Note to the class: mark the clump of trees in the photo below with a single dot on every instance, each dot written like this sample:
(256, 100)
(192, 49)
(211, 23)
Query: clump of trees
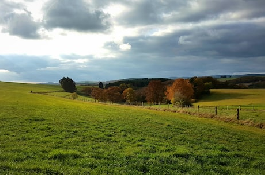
(179, 92)
(68, 84)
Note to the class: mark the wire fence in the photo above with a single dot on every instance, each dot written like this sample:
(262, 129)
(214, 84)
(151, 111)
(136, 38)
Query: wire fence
(252, 115)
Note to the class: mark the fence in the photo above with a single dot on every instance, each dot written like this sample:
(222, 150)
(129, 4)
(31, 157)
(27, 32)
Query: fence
(244, 114)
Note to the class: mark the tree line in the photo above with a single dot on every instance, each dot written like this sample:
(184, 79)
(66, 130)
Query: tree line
(178, 92)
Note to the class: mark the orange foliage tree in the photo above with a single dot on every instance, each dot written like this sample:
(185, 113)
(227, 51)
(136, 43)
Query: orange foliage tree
(180, 92)
(155, 92)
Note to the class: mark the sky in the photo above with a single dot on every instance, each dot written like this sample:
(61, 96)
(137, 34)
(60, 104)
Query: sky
(100, 40)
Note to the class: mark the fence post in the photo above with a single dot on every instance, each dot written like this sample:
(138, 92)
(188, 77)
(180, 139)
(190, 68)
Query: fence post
(198, 108)
(215, 110)
(237, 114)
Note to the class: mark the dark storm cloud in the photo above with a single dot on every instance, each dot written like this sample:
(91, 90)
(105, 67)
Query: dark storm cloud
(7, 7)
(22, 25)
(142, 13)
(75, 15)
(210, 10)
(147, 12)
(233, 40)
(18, 24)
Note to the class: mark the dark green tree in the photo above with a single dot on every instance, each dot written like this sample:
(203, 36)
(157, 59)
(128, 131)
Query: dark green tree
(68, 84)
(100, 85)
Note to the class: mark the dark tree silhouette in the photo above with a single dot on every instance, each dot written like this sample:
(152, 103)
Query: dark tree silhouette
(68, 84)
(100, 85)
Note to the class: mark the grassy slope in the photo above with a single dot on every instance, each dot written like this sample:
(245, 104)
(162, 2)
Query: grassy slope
(49, 135)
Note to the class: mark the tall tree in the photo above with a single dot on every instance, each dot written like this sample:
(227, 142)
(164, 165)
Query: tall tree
(113, 94)
(180, 92)
(155, 92)
(198, 86)
(97, 93)
(140, 94)
(68, 84)
(129, 95)
(100, 85)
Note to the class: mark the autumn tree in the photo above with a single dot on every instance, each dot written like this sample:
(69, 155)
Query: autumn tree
(129, 95)
(97, 93)
(124, 86)
(113, 94)
(180, 92)
(103, 96)
(87, 90)
(155, 92)
(140, 94)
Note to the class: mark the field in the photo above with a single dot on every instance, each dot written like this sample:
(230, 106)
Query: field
(234, 97)
(44, 134)
(225, 103)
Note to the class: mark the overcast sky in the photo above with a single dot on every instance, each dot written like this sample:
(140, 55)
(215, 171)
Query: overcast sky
(44, 40)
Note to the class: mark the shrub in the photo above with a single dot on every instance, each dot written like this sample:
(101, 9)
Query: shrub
(74, 95)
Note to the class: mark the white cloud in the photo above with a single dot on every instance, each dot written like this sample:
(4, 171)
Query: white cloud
(125, 47)
(3, 71)
(184, 40)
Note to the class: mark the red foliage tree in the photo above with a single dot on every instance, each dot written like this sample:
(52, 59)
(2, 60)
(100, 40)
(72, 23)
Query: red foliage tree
(98, 94)
(87, 90)
(113, 94)
(155, 92)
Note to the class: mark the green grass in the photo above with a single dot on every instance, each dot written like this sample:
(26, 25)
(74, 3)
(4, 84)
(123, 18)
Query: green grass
(224, 97)
(250, 101)
(41, 134)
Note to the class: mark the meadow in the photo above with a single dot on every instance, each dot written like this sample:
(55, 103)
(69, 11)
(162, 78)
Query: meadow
(251, 103)
(44, 134)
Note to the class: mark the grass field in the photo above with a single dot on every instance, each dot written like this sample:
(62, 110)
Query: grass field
(43, 134)
(234, 97)
(251, 103)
